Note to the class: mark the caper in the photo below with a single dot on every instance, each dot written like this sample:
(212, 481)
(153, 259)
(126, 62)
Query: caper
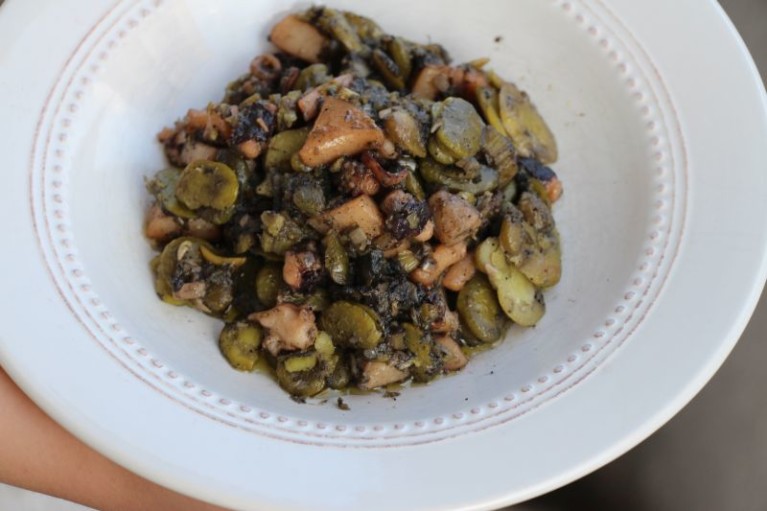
(312, 76)
(469, 197)
(213, 258)
(460, 128)
(400, 54)
(500, 151)
(280, 232)
(367, 29)
(397, 340)
(510, 192)
(439, 153)
(323, 344)
(180, 249)
(337, 25)
(428, 359)
(483, 252)
(352, 324)
(298, 165)
(163, 186)
(304, 383)
(487, 99)
(239, 164)
(454, 180)
(517, 236)
(164, 268)
(309, 198)
(518, 297)
(219, 291)
(536, 212)
(388, 69)
(268, 283)
(538, 188)
(239, 343)
(298, 363)
(536, 252)
(479, 310)
(216, 216)
(341, 375)
(413, 185)
(266, 187)
(402, 129)
(408, 260)
(207, 184)
(544, 266)
(318, 301)
(430, 313)
(283, 146)
(527, 129)
(494, 79)
(336, 259)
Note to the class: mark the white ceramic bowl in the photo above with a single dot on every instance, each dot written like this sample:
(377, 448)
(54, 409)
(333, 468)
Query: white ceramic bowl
(660, 271)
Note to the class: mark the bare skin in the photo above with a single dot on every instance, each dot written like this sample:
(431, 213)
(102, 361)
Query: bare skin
(39, 455)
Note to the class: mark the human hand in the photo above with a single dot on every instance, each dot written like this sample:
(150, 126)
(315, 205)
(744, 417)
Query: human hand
(39, 455)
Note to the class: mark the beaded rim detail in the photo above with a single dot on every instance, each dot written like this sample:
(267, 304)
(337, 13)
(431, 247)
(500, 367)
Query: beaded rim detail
(50, 212)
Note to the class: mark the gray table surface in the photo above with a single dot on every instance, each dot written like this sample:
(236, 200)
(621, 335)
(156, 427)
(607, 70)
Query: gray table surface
(712, 456)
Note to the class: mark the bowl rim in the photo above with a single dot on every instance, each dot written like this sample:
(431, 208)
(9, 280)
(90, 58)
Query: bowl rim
(684, 383)
(56, 234)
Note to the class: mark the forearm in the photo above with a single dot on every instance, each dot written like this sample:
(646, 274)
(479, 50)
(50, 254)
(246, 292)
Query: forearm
(39, 455)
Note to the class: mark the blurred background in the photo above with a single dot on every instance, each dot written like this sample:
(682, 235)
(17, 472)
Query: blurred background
(711, 456)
